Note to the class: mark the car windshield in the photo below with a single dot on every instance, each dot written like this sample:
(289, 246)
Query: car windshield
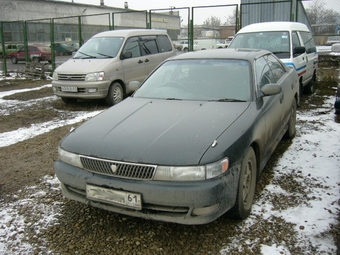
(199, 79)
(275, 42)
(100, 47)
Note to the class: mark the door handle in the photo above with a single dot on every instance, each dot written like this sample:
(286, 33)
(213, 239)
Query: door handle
(140, 62)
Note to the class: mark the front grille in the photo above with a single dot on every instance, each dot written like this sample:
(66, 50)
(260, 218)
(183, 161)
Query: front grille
(118, 169)
(71, 77)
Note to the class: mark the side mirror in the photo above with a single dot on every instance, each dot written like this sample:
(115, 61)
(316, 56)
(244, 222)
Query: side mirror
(127, 54)
(271, 89)
(299, 50)
(133, 86)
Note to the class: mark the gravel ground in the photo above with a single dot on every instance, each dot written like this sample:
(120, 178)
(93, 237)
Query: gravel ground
(41, 221)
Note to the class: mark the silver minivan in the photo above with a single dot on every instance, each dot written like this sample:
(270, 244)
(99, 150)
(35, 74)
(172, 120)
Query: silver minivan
(104, 66)
(292, 42)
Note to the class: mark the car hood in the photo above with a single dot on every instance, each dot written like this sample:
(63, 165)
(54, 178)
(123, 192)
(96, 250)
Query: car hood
(83, 66)
(154, 131)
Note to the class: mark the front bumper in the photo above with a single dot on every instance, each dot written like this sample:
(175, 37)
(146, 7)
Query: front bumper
(83, 87)
(188, 203)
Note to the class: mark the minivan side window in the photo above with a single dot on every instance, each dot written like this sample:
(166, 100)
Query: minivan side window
(148, 45)
(164, 43)
(133, 46)
(308, 41)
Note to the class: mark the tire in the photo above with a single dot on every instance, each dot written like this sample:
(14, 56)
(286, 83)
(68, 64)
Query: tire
(68, 100)
(14, 60)
(291, 131)
(309, 89)
(185, 49)
(246, 186)
(115, 95)
(61, 53)
(35, 60)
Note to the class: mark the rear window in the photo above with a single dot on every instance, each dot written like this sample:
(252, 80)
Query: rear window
(164, 43)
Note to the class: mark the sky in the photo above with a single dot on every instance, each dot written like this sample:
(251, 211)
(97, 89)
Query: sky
(313, 149)
(156, 4)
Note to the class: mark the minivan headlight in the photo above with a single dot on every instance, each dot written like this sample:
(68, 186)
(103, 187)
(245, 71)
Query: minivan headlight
(69, 158)
(99, 76)
(191, 173)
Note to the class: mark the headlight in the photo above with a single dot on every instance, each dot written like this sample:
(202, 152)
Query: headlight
(191, 173)
(55, 76)
(69, 158)
(95, 76)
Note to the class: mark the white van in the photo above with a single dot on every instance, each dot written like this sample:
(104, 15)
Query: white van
(292, 42)
(105, 65)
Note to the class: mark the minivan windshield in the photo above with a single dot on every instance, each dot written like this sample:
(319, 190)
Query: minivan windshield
(276, 42)
(100, 47)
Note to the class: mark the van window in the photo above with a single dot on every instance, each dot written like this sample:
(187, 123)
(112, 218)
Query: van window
(308, 41)
(295, 40)
(148, 45)
(275, 41)
(164, 43)
(133, 46)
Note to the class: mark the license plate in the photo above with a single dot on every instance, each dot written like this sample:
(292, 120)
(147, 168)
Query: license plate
(117, 197)
(69, 89)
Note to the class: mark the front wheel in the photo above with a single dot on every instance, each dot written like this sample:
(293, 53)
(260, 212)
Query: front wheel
(14, 60)
(309, 89)
(246, 186)
(291, 131)
(115, 95)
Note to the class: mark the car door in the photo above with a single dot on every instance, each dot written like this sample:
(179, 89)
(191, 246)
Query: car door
(311, 54)
(271, 106)
(134, 68)
(150, 51)
(300, 60)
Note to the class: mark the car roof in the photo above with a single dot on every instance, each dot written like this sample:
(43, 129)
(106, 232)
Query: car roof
(274, 26)
(243, 54)
(130, 32)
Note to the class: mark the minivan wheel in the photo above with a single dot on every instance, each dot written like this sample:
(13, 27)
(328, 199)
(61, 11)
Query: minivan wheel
(246, 186)
(115, 95)
(14, 60)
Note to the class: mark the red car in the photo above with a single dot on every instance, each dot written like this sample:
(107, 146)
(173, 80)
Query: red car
(35, 53)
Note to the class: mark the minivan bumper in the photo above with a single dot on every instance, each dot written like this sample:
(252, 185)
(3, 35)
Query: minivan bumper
(83, 89)
(190, 203)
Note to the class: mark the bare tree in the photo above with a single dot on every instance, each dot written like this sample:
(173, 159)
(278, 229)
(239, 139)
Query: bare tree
(212, 22)
(323, 21)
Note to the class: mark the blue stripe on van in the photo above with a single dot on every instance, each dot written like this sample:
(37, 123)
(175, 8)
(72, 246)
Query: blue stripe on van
(297, 69)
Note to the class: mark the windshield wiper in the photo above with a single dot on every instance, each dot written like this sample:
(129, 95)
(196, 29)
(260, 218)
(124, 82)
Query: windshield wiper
(105, 55)
(173, 98)
(229, 100)
(89, 56)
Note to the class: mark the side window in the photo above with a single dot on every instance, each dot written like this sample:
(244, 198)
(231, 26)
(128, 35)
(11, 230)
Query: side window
(277, 69)
(308, 42)
(148, 45)
(164, 43)
(133, 46)
(263, 73)
(295, 40)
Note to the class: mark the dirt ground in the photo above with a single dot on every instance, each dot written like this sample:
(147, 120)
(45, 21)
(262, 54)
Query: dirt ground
(24, 163)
